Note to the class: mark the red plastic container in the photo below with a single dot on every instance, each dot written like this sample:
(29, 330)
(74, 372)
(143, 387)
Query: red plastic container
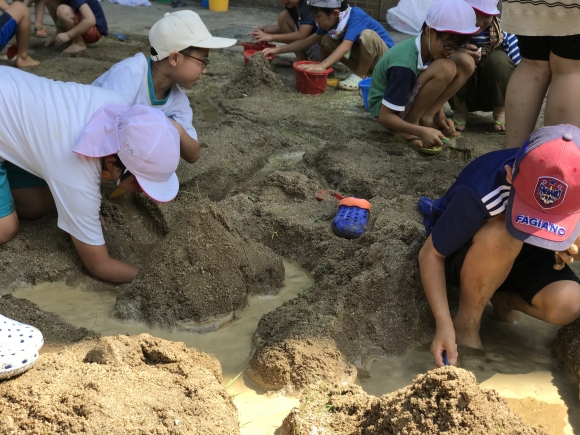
(310, 82)
(257, 46)
(250, 53)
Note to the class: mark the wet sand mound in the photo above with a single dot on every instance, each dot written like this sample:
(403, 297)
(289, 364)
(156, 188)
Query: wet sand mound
(115, 388)
(202, 271)
(257, 76)
(300, 363)
(568, 349)
(442, 401)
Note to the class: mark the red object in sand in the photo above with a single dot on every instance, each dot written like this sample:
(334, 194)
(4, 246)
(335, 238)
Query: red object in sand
(256, 46)
(310, 82)
(12, 51)
(250, 53)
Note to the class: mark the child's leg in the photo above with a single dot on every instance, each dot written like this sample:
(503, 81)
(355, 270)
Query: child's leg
(39, 7)
(287, 25)
(494, 75)
(562, 104)
(366, 54)
(66, 15)
(21, 15)
(458, 103)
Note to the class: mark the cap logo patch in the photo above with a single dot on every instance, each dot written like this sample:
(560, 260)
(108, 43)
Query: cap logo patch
(550, 192)
(130, 148)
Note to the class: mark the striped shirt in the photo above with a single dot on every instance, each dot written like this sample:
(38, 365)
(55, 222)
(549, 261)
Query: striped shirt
(509, 44)
(479, 193)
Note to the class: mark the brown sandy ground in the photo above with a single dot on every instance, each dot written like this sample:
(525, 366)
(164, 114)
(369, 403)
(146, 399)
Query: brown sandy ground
(119, 385)
(254, 129)
(442, 401)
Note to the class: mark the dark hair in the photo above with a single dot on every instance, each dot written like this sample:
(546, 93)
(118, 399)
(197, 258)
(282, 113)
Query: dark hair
(457, 39)
(186, 51)
(119, 164)
(328, 11)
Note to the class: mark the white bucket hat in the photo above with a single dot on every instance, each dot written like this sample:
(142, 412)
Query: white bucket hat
(452, 16)
(179, 30)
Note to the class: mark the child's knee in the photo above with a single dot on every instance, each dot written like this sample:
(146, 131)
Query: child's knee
(443, 68)
(464, 63)
(65, 12)
(18, 11)
(8, 228)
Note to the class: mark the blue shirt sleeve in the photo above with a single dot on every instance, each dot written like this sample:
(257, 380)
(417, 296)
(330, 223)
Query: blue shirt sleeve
(511, 47)
(462, 218)
(400, 82)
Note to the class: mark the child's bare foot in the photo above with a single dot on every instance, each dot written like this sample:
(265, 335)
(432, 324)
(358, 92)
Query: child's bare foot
(503, 311)
(467, 333)
(499, 119)
(23, 62)
(74, 48)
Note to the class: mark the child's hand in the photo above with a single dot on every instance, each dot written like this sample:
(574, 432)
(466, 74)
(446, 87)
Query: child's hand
(431, 137)
(270, 50)
(313, 67)
(253, 32)
(261, 36)
(474, 51)
(568, 256)
(444, 340)
(61, 38)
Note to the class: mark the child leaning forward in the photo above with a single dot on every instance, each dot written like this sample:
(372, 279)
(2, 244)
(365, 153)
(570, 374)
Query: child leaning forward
(413, 80)
(345, 34)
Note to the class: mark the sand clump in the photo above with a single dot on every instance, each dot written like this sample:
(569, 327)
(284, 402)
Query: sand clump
(257, 76)
(443, 401)
(201, 273)
(119, 385)
(567, 349)
(299, 363)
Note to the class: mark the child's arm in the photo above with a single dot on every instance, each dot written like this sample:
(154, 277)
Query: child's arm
(430, 137)
(188, 146)
(300, 45)
(432, 269)
(86, 23)
(344, 47)
(100, 265)
(304, 32)
(265, 29)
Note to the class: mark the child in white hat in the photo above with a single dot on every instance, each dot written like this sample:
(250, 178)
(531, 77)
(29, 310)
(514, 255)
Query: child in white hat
(180, 45)
(414, 79)
(496, 54)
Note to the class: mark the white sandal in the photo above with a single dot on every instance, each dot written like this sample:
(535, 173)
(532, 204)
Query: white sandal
(350, 83)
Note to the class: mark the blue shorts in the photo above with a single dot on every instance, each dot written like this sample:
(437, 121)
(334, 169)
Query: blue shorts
(8, 27)
(13, 177)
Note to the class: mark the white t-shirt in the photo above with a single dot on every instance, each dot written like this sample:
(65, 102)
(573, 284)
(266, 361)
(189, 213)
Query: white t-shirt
(132, 79)
(41, 121)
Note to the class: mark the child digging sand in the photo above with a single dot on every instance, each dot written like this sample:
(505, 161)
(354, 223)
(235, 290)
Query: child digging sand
(345, 34)
(496, 54)
(15, 20)
(180, 45)
(413, 80)
(295, 23)
(80, 21)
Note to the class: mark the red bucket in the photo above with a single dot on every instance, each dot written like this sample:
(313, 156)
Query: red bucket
(310, 82)
(250, 53)
(257, 46)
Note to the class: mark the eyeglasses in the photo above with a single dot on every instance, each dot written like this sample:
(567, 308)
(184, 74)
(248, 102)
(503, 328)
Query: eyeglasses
(450, 47)
(205, 62)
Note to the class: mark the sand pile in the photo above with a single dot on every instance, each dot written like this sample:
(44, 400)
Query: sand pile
(568, 349)
(443, 401)
(123, 385)
(203, 271)
(256, 76)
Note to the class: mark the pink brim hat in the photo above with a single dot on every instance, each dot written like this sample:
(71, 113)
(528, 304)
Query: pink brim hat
(145, 141)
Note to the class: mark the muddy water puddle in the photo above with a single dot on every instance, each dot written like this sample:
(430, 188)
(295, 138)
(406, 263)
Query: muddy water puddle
(260, 413)
(518, 363)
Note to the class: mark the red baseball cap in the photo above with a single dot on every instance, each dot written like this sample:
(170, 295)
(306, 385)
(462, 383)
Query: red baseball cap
(544, 203)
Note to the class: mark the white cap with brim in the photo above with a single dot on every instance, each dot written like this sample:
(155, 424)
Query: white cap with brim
(145, 140)
(452, 16)
(180, 30)
(484, 7)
